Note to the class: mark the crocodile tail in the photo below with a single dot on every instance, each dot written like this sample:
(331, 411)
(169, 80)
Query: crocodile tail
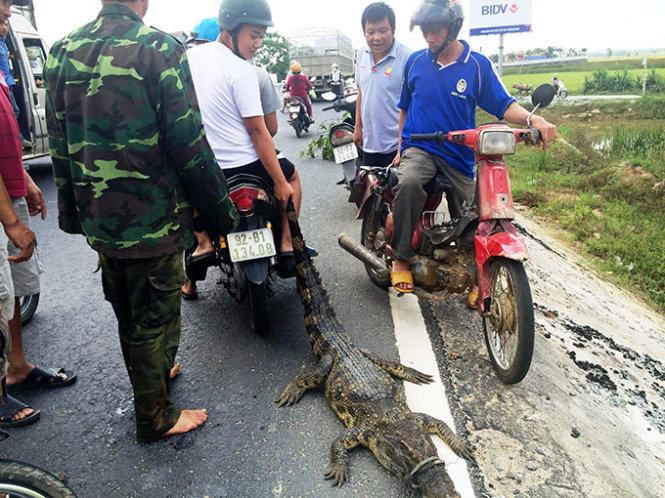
(319, 314)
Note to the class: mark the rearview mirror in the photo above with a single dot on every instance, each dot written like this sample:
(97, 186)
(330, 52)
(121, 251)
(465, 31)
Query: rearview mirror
(543, 95)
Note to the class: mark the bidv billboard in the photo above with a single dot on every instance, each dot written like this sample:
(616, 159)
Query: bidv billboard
(490, 17)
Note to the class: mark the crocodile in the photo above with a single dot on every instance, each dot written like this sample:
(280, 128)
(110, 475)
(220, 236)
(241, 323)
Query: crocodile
(364, 392)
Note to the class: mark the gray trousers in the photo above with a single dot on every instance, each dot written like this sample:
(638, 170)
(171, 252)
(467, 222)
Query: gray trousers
(418, 167)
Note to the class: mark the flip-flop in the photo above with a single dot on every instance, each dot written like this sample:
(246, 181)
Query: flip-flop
(11, 406)
(401, 277)
(196, 267)
(41, 377)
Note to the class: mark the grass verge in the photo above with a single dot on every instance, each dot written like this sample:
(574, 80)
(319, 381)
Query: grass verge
(605, 187)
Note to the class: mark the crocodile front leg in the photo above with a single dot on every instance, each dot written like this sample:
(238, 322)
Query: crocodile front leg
(440, 428)
(307, 380)
(398, 370)
(339, 456)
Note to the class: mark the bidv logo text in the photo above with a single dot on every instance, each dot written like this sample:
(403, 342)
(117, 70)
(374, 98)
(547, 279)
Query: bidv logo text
(496, 9)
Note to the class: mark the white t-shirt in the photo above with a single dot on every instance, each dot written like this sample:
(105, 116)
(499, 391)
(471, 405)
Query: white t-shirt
(227, 89)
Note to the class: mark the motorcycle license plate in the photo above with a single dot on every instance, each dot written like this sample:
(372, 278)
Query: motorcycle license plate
(294, 109)
(345, 153)
(253, 244)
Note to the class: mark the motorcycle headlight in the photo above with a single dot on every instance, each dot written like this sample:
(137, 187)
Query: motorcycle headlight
(496, 142)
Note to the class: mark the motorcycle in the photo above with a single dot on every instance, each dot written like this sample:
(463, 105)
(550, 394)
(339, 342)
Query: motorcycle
(246, 256)
(560, 90)
(341, 134)
(478, 247)
(19, 480)
(298, 117)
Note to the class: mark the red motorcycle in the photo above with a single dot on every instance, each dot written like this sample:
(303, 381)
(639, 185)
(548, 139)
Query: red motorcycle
(480, 246)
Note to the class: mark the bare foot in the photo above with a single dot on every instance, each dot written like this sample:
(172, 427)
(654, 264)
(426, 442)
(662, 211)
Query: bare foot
(176, 370)
(188, 421)
(203, 248)
(189, 290)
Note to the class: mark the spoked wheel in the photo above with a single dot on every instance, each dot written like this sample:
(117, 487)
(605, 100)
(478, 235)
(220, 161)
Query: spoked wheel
(509, 329)
(28, 307)
(20, 480)
(259, 310)
(368, 239)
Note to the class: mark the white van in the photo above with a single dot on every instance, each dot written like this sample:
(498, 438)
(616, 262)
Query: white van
(27, 58)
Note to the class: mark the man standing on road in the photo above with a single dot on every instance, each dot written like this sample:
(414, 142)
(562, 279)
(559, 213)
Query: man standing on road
(128, 147)
(27, 200)
(379, 75)
(13, 413)
(442, 87)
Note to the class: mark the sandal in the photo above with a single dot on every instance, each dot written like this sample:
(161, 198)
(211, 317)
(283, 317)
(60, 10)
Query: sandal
(472, 298)
(40, 377)
(286, 264)
(400, 278)
(9, 407)
(196, 267)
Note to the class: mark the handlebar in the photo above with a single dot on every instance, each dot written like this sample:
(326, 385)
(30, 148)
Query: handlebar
(328, 108)
(423, 137)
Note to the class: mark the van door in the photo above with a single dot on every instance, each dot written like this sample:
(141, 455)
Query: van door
(36, 91)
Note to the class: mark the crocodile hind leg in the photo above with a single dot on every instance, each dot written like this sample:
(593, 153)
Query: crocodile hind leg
(307, 380)
(339, 456)
(398, 370)
(440, 428)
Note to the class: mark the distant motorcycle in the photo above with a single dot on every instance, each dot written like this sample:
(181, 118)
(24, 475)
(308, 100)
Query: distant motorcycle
(560, 90)
(298, 117)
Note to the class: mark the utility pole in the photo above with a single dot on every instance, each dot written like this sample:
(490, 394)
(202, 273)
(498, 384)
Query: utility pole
(500, 68)
(646, 75)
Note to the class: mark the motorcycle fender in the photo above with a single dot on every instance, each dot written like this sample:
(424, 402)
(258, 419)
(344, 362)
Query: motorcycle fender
(369, 182)
(256, 271)
(500, 244)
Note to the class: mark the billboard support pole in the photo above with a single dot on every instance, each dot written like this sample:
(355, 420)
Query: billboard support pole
(500, 54)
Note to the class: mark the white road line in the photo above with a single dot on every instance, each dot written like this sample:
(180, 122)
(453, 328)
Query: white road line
(415, 351)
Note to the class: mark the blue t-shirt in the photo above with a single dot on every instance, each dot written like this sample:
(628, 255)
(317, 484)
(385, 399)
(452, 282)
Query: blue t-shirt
(4, 63)
(444, 98)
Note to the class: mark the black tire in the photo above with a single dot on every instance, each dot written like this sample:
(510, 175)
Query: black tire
(28, 307)
(296, 126)
(370, 224)
(30, 482)
(511, 315)
(259, 315)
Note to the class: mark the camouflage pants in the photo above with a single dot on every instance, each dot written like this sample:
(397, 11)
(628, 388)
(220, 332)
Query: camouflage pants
(145, 295)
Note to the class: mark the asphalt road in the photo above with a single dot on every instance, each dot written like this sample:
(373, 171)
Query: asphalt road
(588, 420)
(249, 448)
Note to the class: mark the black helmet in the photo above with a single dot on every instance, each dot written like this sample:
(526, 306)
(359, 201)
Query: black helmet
(446, 13)
(234, 13)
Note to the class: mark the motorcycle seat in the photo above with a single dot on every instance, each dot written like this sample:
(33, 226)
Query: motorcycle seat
(437, 185)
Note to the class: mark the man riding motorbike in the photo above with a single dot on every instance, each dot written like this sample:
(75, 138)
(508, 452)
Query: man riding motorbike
(442, 86)
(298, 85)
(227, 87)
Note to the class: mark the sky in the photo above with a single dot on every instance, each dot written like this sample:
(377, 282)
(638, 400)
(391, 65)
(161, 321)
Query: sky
(592, 24)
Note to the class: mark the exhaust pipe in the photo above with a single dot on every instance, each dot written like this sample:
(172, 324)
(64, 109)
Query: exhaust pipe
(363, 254)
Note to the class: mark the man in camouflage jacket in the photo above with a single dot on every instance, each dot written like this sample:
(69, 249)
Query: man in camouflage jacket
(128, 147)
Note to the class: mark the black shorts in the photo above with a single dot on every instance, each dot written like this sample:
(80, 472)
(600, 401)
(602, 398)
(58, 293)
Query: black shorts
(256, 169)
(378, 159)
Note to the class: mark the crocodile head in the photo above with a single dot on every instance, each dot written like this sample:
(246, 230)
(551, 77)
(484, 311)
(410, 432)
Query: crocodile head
(434, 482)
(408, 451)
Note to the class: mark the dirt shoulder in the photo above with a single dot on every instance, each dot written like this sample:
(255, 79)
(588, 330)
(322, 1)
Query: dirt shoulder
(589, 419)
